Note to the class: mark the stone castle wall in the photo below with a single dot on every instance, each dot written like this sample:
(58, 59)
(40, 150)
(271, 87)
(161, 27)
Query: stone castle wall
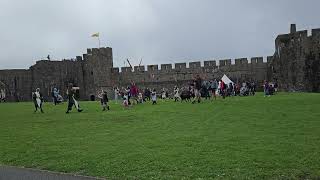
(16, 83)
(94, 71)
(89, 72)
(168, 75)
(295, 66)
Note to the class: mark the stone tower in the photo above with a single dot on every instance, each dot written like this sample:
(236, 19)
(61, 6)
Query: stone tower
(97, 68)
(296, 62)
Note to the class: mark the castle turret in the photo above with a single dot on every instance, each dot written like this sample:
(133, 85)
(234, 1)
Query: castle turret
(97, 69)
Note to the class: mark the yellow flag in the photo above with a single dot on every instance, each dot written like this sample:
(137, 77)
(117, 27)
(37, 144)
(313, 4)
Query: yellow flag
(95, 35)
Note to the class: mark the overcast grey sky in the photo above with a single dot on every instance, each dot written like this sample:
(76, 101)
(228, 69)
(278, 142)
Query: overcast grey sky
(160, 31)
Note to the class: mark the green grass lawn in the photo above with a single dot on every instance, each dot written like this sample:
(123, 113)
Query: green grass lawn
(235, 138)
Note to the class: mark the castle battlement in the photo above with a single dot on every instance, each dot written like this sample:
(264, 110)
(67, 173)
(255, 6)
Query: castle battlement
(315, 32)
(193, 66)
(211, 63)
(226, 64)
(298, 34)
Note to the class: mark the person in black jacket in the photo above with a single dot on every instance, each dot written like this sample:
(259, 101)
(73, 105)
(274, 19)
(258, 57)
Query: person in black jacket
(197, 88)
(71, 99)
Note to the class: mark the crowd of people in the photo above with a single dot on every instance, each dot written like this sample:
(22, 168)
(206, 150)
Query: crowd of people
(194, 92)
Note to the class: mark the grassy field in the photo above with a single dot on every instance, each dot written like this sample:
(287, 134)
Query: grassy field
(235, 138)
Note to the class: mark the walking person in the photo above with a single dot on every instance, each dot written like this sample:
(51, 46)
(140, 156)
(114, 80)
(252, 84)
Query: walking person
(230, 89)
(71, 99)
(55, 95)
(134, 92)
(128, 92)
(154, 97)
(222, 89)
(116, 94)
(125, 102)
(253, 88)
(163, 94)
(214, 87)
(104, 100)
(176, 94)
(275, 87)
(147, 94)
(197, 88)
(37, 100)
(266, 89)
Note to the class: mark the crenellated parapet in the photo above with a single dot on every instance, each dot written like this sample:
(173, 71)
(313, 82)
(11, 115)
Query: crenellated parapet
(315, 32)
(166, 67)
(180, 66)
(225, 62)
(195, 65)
(104, 52)
(239, 70)
(126, 69)
(241, 61)
(152, 68)
(139, 68)
(115, 70)
(257, 60)
(211, 64)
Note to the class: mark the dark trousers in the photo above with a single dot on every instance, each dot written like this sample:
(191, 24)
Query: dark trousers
(55, 100)
(37, 107)
(70, 104)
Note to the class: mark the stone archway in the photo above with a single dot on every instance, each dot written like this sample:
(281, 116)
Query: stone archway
(92, 97)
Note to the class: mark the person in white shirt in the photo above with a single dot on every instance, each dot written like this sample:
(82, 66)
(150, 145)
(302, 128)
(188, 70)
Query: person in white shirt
(176, 94)
(163, 94)
(37, 100)
(125, 100)
(154, 97)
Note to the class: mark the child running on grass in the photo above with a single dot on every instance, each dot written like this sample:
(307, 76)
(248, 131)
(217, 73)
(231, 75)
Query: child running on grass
(125, 100)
